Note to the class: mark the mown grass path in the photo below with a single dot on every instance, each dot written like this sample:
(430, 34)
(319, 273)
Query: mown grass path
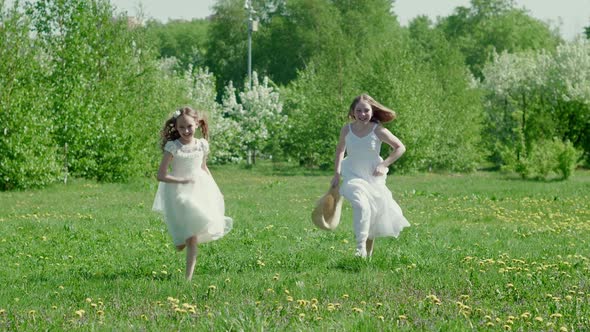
(484, 252)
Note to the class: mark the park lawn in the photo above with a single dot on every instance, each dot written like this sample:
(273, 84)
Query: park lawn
(485, 251)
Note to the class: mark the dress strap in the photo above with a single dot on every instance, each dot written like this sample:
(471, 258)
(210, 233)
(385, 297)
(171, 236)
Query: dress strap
(375, 126)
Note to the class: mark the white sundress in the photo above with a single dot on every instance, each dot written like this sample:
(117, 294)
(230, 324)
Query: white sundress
(194, 208)
(377, 214)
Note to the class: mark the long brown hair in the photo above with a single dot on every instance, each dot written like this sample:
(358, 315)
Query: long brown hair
(381, 114)
(169, 132)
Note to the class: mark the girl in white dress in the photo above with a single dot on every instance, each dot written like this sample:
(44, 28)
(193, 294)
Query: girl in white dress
(187, 196)
(375, 212)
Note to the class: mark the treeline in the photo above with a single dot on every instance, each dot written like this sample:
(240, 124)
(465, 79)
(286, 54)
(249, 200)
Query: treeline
(84, 90)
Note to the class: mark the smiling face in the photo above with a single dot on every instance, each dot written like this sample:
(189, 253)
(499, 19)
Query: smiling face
(186, 125)
(363, 112)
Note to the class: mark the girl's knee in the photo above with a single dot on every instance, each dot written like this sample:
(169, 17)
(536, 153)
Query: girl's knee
(191, 240)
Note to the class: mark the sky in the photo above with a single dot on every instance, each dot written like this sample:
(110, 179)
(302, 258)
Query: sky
(570, 15)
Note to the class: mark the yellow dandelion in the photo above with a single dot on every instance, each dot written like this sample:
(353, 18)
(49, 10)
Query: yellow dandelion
(88, 300)
(314, 301)
(556, 315)
(402, 317)
(509, 285)
(539, 319)
(359, 310)
(32, 312)
(210, 315)
(314, 307)
(61, 287)
(488, 317)
(490, 324)
(100, 303)
(192, 310)
(164, 272)
(275, 277)
(301, 315)
(318, 318)
(100, 312)
(378, 304)
(345, 241)
(526, 315)
(287, 291)
(289, 298)
(568, 297)
(144, 317)
(80, 313)
(270, 290)
(563, 329)
(53, 307)
(94, 305)
(507, 327)
(381, 318)
(212, 287)
(257, 303)
(345, 296)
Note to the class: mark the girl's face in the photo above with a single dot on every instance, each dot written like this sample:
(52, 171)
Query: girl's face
(186, 126)
(363, 112)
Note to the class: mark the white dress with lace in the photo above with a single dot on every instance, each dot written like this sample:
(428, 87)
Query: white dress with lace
(376, 213)
(195, 208)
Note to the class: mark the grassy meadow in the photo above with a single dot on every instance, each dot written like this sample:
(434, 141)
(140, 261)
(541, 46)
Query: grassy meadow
(485, 252)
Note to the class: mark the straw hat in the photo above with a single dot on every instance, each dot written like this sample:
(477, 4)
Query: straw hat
(326, 214)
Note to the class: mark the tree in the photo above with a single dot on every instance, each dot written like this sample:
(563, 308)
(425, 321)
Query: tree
(258, 113)
(494, 26)
(183, 40)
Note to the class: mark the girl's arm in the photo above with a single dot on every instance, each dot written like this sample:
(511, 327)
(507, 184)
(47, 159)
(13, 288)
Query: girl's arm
(163, 175)
(340, 148)
(398, 149)
(204, 165)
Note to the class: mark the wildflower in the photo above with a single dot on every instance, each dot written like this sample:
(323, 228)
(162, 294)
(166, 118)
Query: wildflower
(378, 304)
(402, 317)
(563, 329)
(32, 312)
(507, 327)
(381, 318)
(345, 296)
(80, 313)
(539, 319)
(88, 300)
(289, 298)
(212, 287)
(359, 310)
(301, 315)
(314, 301)
(556, 315)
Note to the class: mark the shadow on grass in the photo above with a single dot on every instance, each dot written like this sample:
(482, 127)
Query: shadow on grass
(350, 264)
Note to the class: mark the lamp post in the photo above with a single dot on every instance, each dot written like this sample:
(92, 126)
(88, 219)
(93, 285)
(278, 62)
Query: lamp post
(252, 26)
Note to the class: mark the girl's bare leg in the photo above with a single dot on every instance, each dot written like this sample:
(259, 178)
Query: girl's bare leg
(191, 256)
(369, 245)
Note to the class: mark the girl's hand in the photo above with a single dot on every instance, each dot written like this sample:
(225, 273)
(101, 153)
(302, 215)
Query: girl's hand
(187, 180)
(335, 180)
(380, 170)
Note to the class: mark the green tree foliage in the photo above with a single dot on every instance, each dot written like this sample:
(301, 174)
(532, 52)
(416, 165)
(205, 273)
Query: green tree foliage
(438, 112)
(494, 25)
(183, 40)
(537, 97)
(28, 154)
(82, 77)
(227, 43)
(289, 39)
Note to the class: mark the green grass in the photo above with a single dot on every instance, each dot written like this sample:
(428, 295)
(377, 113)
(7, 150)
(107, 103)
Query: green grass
(484, 252)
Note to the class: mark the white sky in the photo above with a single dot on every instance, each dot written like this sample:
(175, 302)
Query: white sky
(570, 15)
